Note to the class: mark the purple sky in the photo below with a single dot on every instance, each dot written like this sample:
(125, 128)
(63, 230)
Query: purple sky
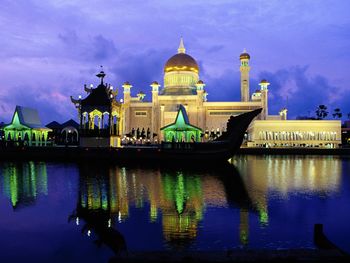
(49, 49)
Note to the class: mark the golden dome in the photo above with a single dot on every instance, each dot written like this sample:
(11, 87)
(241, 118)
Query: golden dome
(244, 55)
(181, 62)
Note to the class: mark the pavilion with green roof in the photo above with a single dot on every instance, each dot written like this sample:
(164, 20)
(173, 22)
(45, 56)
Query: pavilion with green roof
(26, 127)
(181, 130)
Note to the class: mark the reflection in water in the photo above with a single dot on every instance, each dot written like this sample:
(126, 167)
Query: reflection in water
(287, 174)
(177, 198)
(261, 201)
(23, 182)
(264, 175)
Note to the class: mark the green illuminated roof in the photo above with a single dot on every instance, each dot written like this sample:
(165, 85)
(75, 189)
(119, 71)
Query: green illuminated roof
(25, 118)
(181, 122)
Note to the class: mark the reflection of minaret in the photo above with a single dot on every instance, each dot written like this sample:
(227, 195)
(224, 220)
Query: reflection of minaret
(244, 226)
(23, 183)
(253, 175)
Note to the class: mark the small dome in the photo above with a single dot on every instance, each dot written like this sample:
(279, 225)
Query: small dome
(181, 62)
(126, 83)
(244, 55)
(200, 82)
(264, 81)
(154, 83)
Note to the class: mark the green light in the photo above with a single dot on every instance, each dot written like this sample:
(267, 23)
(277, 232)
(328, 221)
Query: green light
(263, 217)
(180, 195)
(181, 129)
(14, 188)
(32, 178)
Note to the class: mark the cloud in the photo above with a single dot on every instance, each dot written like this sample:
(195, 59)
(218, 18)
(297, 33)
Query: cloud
(302, 92)
(51, 105)
(51, 48)
(225, 87)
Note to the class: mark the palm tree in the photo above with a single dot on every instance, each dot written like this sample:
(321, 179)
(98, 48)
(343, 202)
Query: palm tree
(321, 112)
(337, 114)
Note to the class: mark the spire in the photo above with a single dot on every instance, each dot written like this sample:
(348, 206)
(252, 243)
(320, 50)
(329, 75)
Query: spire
(181, 48)
(101, 75)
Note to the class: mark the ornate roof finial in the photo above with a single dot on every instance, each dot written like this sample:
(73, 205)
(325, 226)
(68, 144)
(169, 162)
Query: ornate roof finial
(244, 50)
(181, 48)
(101, 75)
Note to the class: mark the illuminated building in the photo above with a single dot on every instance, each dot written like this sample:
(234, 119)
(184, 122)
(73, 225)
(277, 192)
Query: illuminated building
(100, 116)
(295, 133)
(26, 127)
(183, 86)
(181, 129)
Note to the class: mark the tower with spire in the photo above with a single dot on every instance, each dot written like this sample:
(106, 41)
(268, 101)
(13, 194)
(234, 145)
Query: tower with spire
(264, 98)
(244, 68)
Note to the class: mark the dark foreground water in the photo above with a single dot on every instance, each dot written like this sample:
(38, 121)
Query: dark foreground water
(59, 212)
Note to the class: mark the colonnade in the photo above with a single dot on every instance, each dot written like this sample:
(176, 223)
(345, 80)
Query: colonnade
(30, 137)
(297, 136)
(99, 120)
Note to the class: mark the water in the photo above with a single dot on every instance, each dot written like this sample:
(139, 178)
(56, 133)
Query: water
(61, 212)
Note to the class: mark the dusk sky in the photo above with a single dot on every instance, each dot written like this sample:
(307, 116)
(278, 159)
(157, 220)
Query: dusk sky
(50, 48)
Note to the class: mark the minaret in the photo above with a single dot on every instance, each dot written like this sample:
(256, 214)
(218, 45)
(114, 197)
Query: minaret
(244, 68)
(181, 48)
(127, 98)
(200, 99)
(264, 98)
(156, 118)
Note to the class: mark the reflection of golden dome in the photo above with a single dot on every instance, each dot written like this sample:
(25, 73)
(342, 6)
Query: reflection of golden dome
(181, 62)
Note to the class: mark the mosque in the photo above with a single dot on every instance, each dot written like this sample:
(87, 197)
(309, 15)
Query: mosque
(180, 111)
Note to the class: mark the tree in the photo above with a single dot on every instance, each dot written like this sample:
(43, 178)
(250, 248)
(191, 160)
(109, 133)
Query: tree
(321, 112)
(337, 114)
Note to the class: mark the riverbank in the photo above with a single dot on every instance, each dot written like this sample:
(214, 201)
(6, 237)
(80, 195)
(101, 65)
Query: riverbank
(236, 255)
(145, 154)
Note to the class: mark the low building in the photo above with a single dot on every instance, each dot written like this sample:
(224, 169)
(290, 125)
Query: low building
(25, 128)
(181, 130)
(66, 133)
(345, 133)
(295, 133)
